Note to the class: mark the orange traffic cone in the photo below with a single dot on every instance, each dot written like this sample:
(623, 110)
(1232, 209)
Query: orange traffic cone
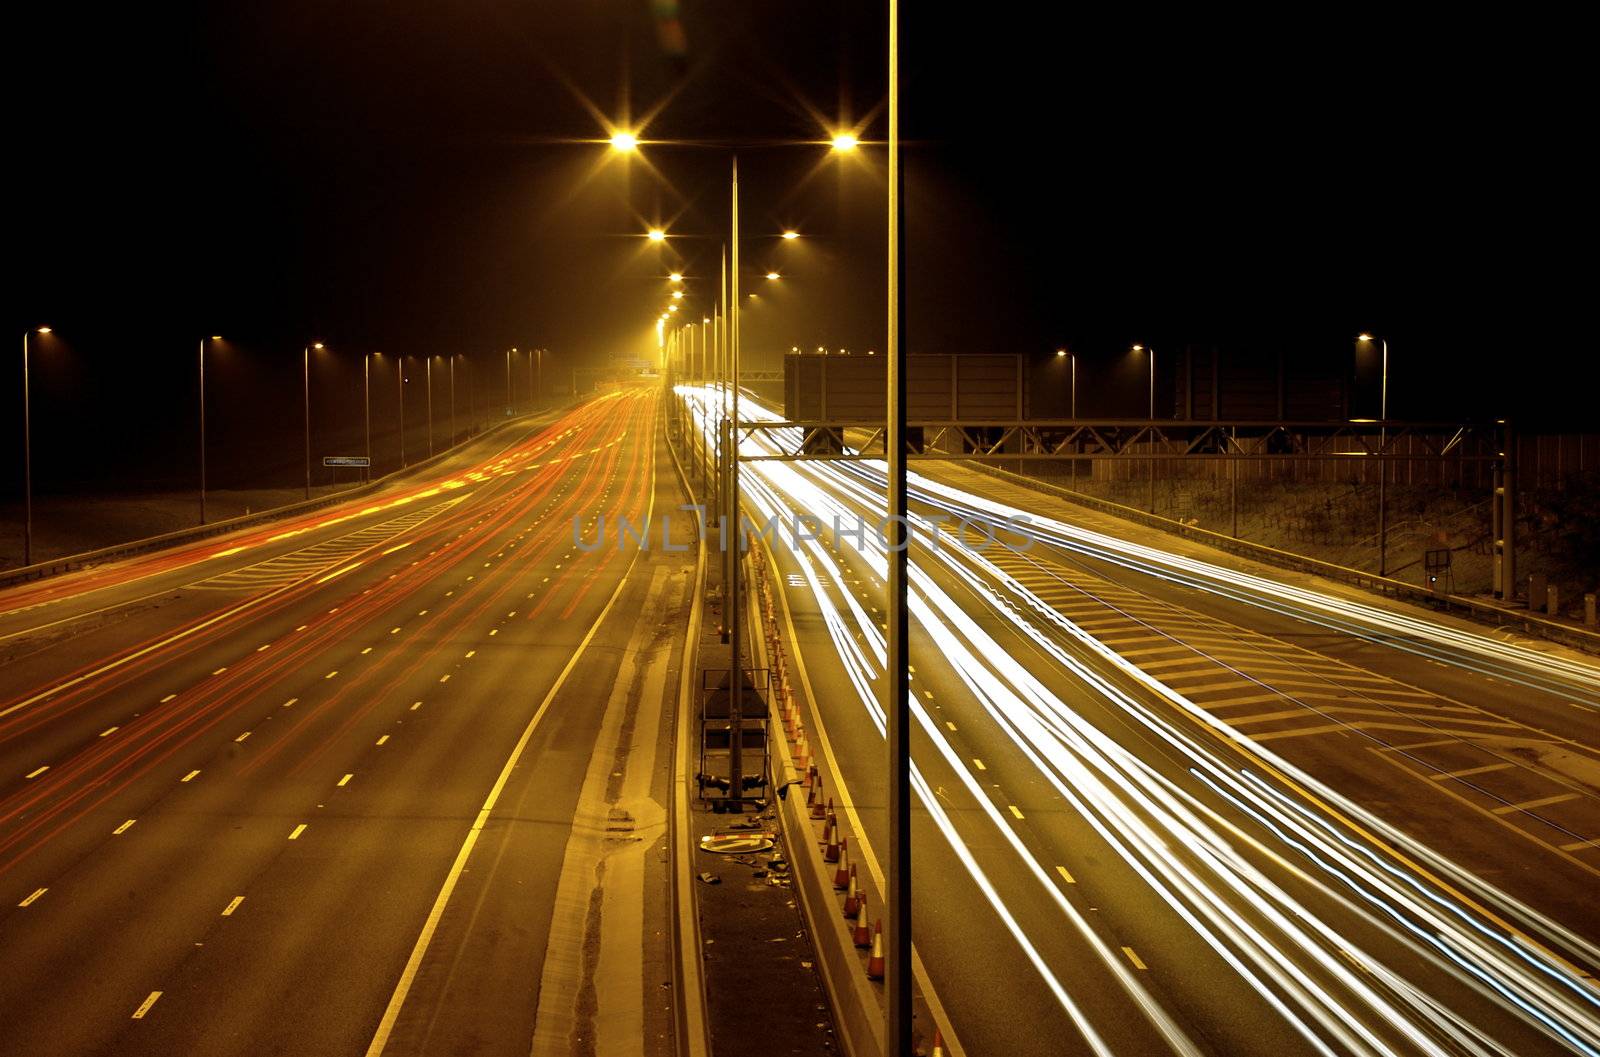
(831, 850)
(814, 801)
(875, 959)
(827, 833)
(852, 899)
(938, 1044)
(862, 936)
(841, 876)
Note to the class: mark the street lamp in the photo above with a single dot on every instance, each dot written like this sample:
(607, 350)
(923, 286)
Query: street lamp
(305, 381)
(791, 234)
(624, 142)
(844, 142)
(27, 455)
(676, 277)
(366, 408)
(771, 277)
(1383, 443)
(656, 235)
(1152, 354)
(214, 338)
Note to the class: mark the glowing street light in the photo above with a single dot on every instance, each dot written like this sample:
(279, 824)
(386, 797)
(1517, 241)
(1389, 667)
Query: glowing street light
(676, 277)
(624, 142)
(791, 234)
(27, 454)
(214, 339)
(656, 235)
(772, 277)
(845, 142)
(677, 294)
(305, 382)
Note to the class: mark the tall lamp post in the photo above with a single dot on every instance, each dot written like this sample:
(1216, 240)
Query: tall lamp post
(203, 426)
(305, 385)
(1152, 354)
(1072, 399)
(366, 405)
(1383, 444)
(897, 682)
(27, 454)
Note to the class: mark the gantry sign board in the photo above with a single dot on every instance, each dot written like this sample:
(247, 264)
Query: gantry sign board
(946, 387)
(346, 460)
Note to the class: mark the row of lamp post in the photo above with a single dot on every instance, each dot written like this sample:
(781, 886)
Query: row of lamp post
(1362, 341)
(535, 383)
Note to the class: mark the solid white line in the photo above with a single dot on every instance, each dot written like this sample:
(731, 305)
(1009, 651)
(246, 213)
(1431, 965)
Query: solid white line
(380, 1038)
(339, 572)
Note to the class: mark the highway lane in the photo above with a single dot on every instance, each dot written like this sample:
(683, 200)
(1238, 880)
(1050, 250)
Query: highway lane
(255, 819)
(1220, 898)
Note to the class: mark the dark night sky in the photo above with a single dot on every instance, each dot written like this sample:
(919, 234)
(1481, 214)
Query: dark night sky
(404, 177)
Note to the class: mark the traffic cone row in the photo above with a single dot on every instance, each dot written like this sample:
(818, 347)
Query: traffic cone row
(835, 846)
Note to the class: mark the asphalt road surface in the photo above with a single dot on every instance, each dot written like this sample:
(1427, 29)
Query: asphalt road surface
(1171, 805)
(309, 789)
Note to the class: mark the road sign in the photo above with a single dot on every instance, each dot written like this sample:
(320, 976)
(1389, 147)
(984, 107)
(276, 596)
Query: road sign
(346, 460)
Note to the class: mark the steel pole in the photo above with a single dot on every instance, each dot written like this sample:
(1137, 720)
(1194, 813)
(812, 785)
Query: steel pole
(202, 431)
(509, 404)
(27, 460)
(366, 404)
(735, 552)
(400, 381)
(1152, 430)
(427, 374)
(897, 951)
(1383, 462)
(305, 382)
(452, 400)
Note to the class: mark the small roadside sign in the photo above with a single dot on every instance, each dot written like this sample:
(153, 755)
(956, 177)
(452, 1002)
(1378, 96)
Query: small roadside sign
(346, 460)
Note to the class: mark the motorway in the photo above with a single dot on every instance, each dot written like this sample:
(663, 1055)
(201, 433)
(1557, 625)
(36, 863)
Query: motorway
(336, 785)
(1170, 805)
